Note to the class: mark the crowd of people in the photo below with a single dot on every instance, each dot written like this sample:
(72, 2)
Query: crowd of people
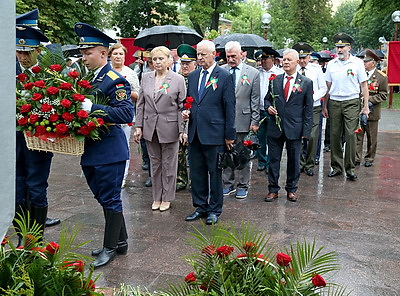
(188, 110)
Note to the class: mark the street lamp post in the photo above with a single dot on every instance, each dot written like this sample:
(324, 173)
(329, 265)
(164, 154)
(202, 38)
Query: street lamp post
(396, 20)
(266, 20)
(325, 40)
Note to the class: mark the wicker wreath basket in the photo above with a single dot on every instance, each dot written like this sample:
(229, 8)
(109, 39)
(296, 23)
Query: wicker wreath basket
(68, 145)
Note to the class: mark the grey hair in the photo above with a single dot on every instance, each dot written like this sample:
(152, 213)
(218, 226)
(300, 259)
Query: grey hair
(210, 45)
(232, 45)
(291, 50)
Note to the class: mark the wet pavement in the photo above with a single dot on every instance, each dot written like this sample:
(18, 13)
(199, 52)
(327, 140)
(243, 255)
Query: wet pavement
(359, 220)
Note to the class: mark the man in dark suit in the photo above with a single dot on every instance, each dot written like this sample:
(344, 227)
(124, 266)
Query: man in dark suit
(103, 162)
(211, 126)
(290, 102)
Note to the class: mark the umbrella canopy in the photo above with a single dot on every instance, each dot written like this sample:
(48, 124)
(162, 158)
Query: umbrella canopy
(71, 50)
(168, 35)
(247, 41)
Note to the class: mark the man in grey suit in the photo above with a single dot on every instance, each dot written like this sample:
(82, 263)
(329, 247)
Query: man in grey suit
(247, 91)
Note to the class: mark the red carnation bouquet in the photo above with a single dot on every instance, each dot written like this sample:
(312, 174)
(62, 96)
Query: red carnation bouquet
(49, 104)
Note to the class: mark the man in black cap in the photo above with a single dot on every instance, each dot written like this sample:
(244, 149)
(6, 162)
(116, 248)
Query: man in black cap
(314, 72)
(103, 162)
(267, 58)
(344, 76)
(378, 89)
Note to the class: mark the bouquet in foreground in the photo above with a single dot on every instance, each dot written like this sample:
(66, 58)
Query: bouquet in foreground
(49, 105)
(232, 262)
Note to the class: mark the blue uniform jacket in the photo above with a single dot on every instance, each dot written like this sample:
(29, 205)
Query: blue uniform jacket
(112, 147)
(212, 116)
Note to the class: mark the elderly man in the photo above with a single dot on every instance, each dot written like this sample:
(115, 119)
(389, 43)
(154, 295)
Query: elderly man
(344, 77)
(378, 89)
(247, 90)
(103, 162)
(314, 72)
(267, 69)
(211, 127)
(289, 101)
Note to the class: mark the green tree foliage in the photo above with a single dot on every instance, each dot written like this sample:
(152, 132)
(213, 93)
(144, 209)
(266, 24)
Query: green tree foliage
(58, 17)
(281, 26)
(205, 13)
(374, 19)
(344, 17)
(247, 18)
(131, 16)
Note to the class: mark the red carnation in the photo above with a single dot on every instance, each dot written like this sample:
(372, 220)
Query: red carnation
(65, 86)
(224, 251)
(318, 281)
(23, 121)
(91, 125)
(40, 130)
(82, 114)
(189, 100)
(73, 74)
(187, 106)
(190, 278)
(359, 130)
(68, 116)
(36, 69)
(52, 90)
(272, 77)
(52, 248)
(77, 265)
(61, 128)
(78, 97)
(37, 97)
(84, 130)
(56, 68)
(84, 84)
(33, 118)
(283, 259)
(247, 143)
(29, 85)
(46, 107)
(40, 83)
(22, 77)
(91, 286)
(209, 250)
(54, 117)
(26, 108)
(66, 103)
(249, 246)
(100, 121)
(5, 240)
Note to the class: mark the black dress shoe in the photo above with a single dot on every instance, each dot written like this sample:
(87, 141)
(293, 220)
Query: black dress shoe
(212, 219)
(334, 173)
(351, 177)
(261, 168)
(52, 222)
(195, 216)
(148, 183)
(105, 257)
(122, 249)
(368, 164)
(309, 172)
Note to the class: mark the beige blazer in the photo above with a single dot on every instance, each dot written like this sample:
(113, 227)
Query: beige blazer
(159, 109)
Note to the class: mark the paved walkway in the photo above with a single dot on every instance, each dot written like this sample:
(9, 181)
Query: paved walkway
(359, 220)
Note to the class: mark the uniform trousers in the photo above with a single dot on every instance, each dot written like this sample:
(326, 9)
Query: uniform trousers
(371, 130)
(105, 182)
(206, 177)
(127, 131)
(243, 175)
(164, 165)
(308, 161)
(344, 118)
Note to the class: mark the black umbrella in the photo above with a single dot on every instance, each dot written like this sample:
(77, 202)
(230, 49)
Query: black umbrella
(168, 35)
(247, 41)
(71, 50)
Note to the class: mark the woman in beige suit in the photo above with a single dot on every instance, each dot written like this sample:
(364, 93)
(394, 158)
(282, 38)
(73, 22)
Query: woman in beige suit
(159, 121)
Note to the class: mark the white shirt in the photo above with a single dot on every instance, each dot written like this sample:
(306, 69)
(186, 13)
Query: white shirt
(209, 70)
(370, 73)
(264, 81)
(314, 72)
(345, 77)
(291, 83)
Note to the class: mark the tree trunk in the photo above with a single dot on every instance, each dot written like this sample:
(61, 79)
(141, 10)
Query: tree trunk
(215, 20)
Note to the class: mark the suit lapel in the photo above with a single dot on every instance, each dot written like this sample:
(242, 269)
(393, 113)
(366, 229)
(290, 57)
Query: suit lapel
(278, 87)
(295, 90)
(241, 73)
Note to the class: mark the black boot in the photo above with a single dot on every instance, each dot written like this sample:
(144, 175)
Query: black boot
(111, 235)
(39, 215)
(122, 245)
